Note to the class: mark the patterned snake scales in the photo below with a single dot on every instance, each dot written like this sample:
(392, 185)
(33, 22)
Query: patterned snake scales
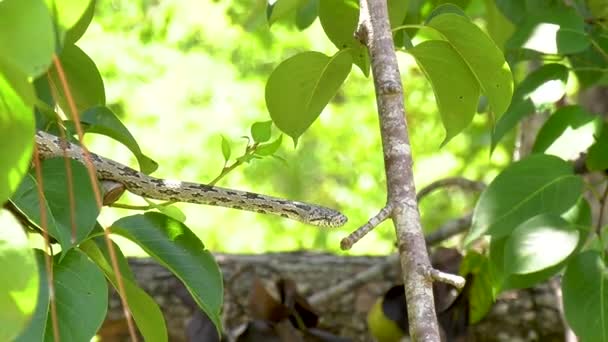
(50, 146)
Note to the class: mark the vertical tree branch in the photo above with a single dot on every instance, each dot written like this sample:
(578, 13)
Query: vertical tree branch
(374, 31)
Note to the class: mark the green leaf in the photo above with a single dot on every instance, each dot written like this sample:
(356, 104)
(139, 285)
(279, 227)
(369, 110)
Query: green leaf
(226, 151)
(456, 88)
(37, 325)
(517, 111)
(597, 155)
(397, 10)
(590, 64)
(306, 14)
(85, 210)
(57, 202)
(78, 29)
(145, 311)
(503, 281)
(26, 36)
(585, 296)
(102, 120)
(27, 200)
(483, 57)
(567, 133)
(169, 210)
(339, 19)
(535, 185)
(540, 76)
(301, 86)
(445, 8)
(83, 79)
(67, 13)
(260, 131)
(19, 278)
(17, 132)
(81, 295)
(571, 41)
(531, 246)
(579, 215)
(280, 9)
(537, 24)
(498, 26)
(270, 148)
(174, 246)
(481, 299)
(522, 105)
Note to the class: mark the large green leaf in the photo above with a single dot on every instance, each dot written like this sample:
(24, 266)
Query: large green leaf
(102, 120)
(502, 280)
(81, 298)
(517, 110)
(539, 23)
(339, 19)
(67, 13)
(531, 246)
(481, 54)
(26, 37)
(84, 81)
(57, 202)
(578, 217)
(37, 325)
(522, 104)
(85, 210)
(145, 311)
(301, 86)
(306, 14)
(77, 29)
(567, 133)
(585, 296)
(456, 88)
(540, 76)
(174, 245)
(498, 26)
(27, 200)
(16, 132)
(279, 9)
(18, 279)
(535, 185)
(597, 155)
(481, 299)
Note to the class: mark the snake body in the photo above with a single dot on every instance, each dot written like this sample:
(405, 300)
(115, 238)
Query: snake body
(50, 146)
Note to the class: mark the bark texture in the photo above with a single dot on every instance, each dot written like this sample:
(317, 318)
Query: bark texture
(375, 32)
(525, 315)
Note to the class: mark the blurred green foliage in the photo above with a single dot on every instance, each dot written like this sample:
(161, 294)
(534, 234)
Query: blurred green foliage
(182, 73)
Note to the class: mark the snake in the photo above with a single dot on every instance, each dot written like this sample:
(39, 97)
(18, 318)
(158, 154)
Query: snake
(141, 184)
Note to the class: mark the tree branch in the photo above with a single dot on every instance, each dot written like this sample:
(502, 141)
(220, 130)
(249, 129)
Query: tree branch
(446, 231)
(373, 222)
(374, 31)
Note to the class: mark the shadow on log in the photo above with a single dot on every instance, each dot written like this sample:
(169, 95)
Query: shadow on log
(524, 315)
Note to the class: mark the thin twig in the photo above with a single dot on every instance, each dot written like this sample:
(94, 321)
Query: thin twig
(373, 222)
(449, 229)
(461, 182)
(446, 231)
(434, 274)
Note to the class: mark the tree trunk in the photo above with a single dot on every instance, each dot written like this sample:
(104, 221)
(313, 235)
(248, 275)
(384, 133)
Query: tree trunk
(525, 315)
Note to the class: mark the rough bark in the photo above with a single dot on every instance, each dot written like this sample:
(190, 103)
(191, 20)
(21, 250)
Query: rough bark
(526, 315)
(375, 32)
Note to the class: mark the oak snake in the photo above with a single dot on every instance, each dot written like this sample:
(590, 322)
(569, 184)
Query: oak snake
(50, 146)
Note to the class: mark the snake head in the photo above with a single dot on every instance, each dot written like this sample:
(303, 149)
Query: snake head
(325, 217)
